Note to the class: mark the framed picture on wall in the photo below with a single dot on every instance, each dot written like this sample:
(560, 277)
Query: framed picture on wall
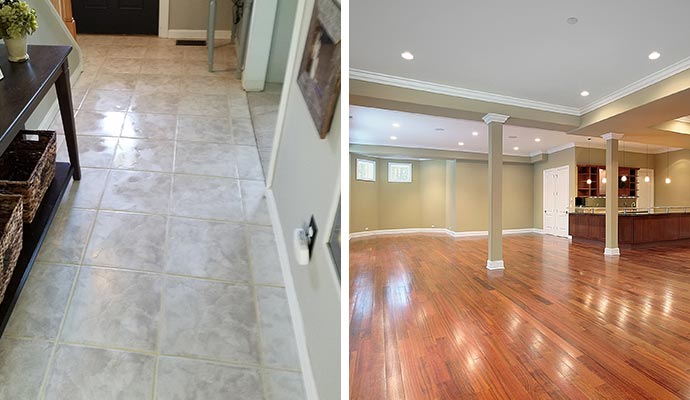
(319, 73)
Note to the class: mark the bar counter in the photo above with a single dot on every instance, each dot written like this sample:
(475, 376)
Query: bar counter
(636, 227)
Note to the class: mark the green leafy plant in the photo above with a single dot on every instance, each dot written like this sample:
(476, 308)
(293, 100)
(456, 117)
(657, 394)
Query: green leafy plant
(17, 19)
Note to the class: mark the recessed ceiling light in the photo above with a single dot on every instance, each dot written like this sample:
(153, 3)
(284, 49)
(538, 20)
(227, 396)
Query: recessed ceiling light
(407, 55)
(396, 125)
(584, 93)
(654, 55)
(394, 138)
(461, 143)
(537, 140)
(571, 20)
(516, 148)
(475, 133)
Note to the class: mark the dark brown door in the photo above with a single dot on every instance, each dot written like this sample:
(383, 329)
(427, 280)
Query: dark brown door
(116, 16)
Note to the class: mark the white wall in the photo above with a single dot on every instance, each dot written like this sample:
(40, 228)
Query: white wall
(280, 44)
(305, 182)
(51, 30)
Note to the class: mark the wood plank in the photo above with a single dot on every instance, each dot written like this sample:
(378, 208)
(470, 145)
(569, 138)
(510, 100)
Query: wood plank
(561, 322)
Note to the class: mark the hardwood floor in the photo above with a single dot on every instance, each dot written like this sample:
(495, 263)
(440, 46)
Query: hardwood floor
(428, 321)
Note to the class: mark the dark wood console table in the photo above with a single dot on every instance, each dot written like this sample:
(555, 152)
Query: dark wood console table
(21, 91)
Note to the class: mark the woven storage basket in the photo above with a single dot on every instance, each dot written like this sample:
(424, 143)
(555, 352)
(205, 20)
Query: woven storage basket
(28, 167)
(11, 230)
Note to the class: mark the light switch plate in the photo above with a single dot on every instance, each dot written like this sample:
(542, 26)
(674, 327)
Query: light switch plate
(311, 230)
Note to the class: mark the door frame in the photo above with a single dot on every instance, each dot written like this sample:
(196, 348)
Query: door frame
(163, 18)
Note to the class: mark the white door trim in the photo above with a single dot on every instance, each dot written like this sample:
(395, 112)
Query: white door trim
(163, 18)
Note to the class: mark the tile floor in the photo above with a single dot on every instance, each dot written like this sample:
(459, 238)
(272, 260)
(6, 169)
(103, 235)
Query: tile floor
(160, 277)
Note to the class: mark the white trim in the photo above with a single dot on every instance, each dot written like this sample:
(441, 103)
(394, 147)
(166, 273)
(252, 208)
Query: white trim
(647, 81)
(163, 18)
(195, 34)
(407, 83)
(612, 251)
(611, 135)
(493, 117)
(295, 312)
(495, 265)
(417, 231)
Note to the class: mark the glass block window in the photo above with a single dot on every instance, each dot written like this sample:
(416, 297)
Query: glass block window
(366, 170)
(400, 172)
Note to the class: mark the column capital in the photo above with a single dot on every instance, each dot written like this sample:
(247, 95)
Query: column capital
(491, 117)
(611, 135)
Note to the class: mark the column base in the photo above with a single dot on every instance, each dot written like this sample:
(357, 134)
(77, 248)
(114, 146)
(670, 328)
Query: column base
(612, 251)
(493, 265)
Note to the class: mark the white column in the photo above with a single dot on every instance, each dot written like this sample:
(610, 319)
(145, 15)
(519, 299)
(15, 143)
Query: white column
(495, 123)
(612, 193)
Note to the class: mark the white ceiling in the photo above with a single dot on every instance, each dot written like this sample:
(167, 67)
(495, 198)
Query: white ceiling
(523, 49)
(374, 126)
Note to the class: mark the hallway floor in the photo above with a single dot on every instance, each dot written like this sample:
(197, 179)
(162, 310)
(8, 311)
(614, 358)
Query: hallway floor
(160, 276)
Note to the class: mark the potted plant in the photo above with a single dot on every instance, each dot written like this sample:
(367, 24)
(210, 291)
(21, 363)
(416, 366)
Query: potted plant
(17, 20)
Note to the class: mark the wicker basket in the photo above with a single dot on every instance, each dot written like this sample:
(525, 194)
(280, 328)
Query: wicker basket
(27, 168)
(11, 230)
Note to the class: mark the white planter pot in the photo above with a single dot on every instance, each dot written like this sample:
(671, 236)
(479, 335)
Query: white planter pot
(16, 49)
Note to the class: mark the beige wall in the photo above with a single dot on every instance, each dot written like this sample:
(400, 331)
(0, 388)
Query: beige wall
(432, 176)
(471, 196)
(304, 186)
(422, 204)
(677, 193)
(193, 14)
(364, 199)
(400, 204)
(625, 159)
(554, 160)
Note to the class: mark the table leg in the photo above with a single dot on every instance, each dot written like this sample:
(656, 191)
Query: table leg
(64, 95)
(211, 33)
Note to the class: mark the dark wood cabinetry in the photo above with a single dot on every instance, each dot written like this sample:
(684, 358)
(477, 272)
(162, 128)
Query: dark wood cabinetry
(590, 181)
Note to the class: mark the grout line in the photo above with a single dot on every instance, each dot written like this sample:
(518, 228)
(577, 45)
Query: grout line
(143, 213)
(51, 359)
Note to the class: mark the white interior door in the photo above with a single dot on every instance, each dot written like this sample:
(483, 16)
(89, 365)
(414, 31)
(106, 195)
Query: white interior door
(561, 200)
(556, 201)
(645, 190)
(549, 202)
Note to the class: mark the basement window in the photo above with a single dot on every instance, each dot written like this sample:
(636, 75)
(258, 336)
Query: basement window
(366, 170)
(400, 172)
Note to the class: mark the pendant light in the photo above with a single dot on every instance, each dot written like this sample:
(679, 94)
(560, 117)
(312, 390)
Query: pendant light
(589, 159)
(668, 177)
(646, 178)
(624, 177)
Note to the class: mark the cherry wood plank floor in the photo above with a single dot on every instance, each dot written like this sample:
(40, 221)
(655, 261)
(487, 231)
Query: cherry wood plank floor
(428, 321)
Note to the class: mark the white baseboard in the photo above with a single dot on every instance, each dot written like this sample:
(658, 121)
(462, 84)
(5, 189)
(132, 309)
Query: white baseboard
(416, 231)
(297, 321)
(495, 265)
(195, 34)
(405, 231)
(612, 251)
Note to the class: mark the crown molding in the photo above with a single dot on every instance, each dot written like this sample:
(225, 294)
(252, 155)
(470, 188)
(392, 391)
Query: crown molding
(647, 81)
(407, 83)
(611, 135)
(493, 117)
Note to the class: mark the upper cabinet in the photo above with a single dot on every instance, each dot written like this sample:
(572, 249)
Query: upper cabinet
(591, 181)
